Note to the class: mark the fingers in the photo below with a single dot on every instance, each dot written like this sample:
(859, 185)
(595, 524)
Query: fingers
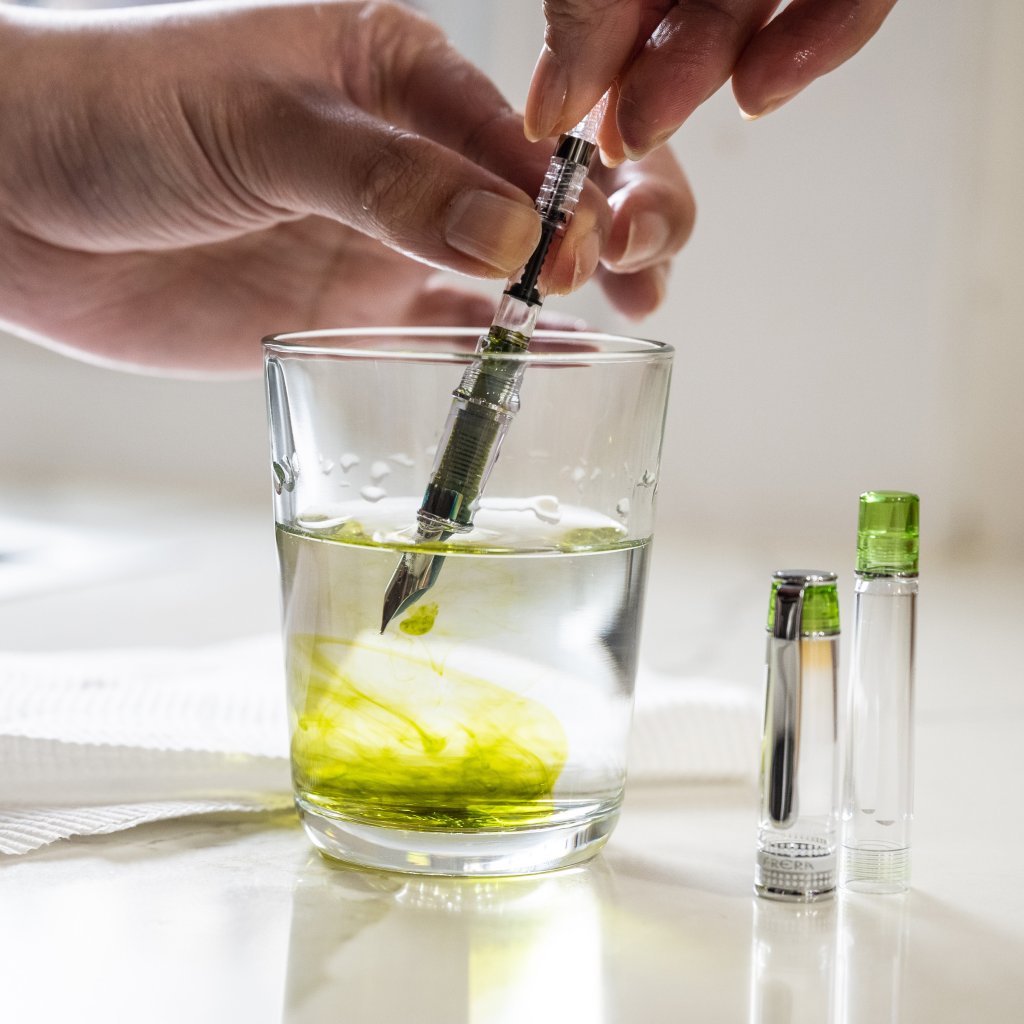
(653, 213)
(806, 40)
(394, 149)
(666, 57)
(586, 44)
(687, 57)
(416, 196)
(636, 295)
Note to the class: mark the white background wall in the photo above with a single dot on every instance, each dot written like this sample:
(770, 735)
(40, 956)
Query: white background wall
(847, 316)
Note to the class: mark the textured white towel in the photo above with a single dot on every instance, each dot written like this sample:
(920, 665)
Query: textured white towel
(97, 741)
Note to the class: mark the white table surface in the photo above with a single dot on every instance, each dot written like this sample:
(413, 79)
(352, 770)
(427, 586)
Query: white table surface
(235, 919)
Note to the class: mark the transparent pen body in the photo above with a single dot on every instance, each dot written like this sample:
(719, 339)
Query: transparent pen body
(797, 841)
(879, 785)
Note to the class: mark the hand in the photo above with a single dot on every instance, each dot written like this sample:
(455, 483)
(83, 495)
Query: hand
(666, 57)
(176, 182)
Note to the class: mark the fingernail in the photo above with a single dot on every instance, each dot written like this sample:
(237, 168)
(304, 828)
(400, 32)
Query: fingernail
(587, 254)
(639, 152)
(546, 98)
(648, 233)
(659, 277)
(753, 115)
(492, 228)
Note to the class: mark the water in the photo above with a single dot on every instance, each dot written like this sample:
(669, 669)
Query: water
(486, 729)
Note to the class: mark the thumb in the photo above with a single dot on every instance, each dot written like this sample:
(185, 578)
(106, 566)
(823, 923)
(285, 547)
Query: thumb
(404, 189)
(585, 46)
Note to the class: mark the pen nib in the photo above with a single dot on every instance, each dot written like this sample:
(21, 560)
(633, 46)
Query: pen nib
(416, 574)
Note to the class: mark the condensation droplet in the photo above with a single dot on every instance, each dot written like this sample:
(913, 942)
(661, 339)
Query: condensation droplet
(401, 459)
(546, 508)
(315, 521)
(622, 508)
(648, 479)
(371, 493)
(578, 475)
(285, 472)
(379, 470)
(326, 465)
(348, 460)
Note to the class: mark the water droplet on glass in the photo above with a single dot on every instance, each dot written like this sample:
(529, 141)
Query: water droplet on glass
(348, 460)
(316, 521)
(326, 465)
(371, 493)
(285, 472)
(546, 508)
(578, 474)
(622, 508)
(379, 470)
(401, 459)
(648, 479)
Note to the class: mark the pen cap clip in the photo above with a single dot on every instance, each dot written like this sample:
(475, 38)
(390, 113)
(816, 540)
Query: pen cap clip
(803, 604)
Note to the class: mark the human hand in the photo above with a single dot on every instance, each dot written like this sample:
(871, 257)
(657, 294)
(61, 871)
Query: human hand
(666, 57)
(176, 182)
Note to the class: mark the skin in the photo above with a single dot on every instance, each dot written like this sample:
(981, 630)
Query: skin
(176, 182)
(663, 58)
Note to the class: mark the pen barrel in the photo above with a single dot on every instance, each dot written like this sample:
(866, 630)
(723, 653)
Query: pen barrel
(483, 406)
(878, 787)
(796, 838)
(560, 191)
(556, 203)
(796, 842)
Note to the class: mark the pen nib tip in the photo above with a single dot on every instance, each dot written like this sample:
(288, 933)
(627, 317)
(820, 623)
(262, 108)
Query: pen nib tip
(414, 576)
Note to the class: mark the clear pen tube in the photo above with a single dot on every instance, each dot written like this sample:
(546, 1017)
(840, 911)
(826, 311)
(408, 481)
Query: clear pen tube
(878, 790)
(878, 802)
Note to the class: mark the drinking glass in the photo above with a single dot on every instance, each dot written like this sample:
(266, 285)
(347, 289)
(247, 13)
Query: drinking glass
(484, 730)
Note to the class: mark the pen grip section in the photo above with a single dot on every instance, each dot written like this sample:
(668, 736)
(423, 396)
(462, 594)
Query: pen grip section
(483, 406)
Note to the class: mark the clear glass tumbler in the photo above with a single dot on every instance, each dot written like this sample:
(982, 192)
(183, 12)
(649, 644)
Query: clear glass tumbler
(484, 730)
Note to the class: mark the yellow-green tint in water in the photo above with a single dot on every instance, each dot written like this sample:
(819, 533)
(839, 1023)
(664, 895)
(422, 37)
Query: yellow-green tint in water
(384, 735)
(565, 541)
(420, 620)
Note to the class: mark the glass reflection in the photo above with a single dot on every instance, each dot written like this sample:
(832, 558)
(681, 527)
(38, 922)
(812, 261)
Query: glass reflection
(369, 946)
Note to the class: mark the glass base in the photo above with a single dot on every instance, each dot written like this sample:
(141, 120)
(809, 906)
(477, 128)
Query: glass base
(512, 852)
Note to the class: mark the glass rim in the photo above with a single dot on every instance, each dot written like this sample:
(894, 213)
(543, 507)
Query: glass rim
(608, 347)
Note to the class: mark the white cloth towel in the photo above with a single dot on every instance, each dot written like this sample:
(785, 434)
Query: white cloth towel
(93, 742)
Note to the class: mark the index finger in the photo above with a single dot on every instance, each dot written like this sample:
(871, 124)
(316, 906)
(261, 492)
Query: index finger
(805, 41)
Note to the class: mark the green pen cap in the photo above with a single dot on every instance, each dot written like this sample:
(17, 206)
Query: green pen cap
(887, 533)
(820, 612)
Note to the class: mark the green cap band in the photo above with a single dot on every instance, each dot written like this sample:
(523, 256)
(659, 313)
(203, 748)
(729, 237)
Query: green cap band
(820, 613)
(887, 533)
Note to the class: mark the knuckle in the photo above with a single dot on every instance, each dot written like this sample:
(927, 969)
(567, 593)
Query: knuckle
(394, 186)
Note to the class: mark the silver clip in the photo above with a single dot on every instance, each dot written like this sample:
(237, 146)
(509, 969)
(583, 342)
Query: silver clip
(782, 704)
